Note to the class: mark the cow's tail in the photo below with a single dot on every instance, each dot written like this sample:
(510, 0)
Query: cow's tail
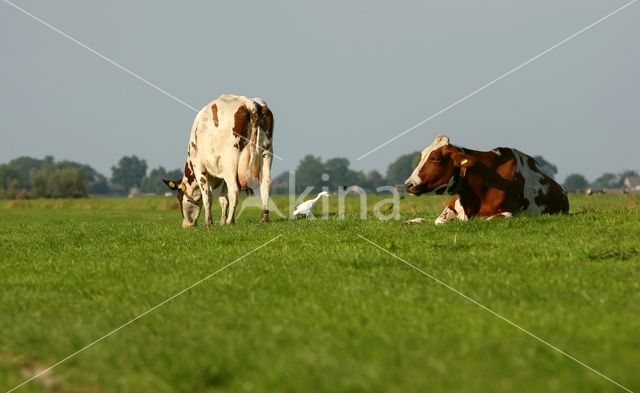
(254, 148)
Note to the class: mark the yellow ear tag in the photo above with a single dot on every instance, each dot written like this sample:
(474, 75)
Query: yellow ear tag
(463, 162)
(183, 187)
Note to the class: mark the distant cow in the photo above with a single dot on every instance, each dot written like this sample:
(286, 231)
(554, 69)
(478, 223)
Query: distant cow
(230, 147)
(501, 182)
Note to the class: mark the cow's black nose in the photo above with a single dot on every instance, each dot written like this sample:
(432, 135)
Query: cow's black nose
(409, 186)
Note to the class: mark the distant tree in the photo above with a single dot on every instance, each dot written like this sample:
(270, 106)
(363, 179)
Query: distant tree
(68, 182)
(399, 170)
(606, 180)
(64, 179)
(280, 183)
(13, 189)
(373, 180)
(129, 172)
(309, 172)
(46, 178)
(338, 171)
(41, 182)
(575, 183)
(20, 169)
(340, 175)
(546, 167)
(98, 184)
(95, 183)
(7, 174)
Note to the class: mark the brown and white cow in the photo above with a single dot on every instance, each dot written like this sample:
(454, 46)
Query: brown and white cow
(230, 147)
(500, 182)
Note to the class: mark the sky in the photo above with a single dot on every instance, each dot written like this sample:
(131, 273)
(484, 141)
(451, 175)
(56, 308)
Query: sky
(342, 77)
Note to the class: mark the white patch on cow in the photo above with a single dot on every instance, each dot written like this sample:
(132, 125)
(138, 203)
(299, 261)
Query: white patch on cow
(259, 101)
(503, 214)
(438, 142)
(446, 216)
(462, 216)
(532, 183)
(449, 214)
(497, 152)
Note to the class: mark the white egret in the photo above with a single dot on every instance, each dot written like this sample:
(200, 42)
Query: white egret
(306, 206)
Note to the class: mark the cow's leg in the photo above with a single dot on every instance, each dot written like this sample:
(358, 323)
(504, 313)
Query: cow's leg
(224, 204)
(265, 185)
(206, 198)
(232, 194)
(453, 211)
(447, 215)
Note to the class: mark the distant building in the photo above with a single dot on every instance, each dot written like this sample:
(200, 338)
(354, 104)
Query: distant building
(632, 183)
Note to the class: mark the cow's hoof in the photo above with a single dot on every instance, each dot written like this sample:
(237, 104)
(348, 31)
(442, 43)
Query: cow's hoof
(264, 219)
(414, 221)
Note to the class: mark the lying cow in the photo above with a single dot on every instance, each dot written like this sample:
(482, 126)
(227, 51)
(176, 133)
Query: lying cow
(230, 147)
(497, 183)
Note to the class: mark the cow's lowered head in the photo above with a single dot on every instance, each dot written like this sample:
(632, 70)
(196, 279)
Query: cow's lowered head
(189, 198)
(440, 167)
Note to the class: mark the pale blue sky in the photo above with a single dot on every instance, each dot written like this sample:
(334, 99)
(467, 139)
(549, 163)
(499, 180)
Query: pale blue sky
(341, 78)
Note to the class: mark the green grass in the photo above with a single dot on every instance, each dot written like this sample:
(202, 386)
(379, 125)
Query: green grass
(318, 309)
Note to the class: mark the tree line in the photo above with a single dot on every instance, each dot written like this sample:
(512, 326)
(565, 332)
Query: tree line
(27, 177)
(576, 182)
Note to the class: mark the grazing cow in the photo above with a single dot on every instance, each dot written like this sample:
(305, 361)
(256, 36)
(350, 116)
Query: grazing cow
(501, 182)
(230, 147)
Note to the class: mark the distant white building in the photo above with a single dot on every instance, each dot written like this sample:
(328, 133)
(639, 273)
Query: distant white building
(632, 183)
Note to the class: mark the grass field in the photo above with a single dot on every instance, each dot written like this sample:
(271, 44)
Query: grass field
(319, 308)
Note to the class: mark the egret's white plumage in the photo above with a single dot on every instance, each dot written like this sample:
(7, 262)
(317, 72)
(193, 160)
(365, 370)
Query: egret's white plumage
(306, 206)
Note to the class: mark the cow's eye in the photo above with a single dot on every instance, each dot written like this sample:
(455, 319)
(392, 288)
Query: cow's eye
(435, 158)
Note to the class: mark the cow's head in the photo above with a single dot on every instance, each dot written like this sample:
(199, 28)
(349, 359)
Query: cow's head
(189, 198)
(440, 166)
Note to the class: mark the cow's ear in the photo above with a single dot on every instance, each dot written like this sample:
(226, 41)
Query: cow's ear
(172, 184)
(463, 160)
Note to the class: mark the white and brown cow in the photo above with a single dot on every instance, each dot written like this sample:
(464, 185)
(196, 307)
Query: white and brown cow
(500, 182)
(230, 147)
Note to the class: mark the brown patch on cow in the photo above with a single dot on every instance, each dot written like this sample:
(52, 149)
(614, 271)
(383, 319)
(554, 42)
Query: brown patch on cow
(267, 121)
(241, 122)
(214, 114)
(188, 172)
(203, 180)
(240, 144)
(195, 148)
